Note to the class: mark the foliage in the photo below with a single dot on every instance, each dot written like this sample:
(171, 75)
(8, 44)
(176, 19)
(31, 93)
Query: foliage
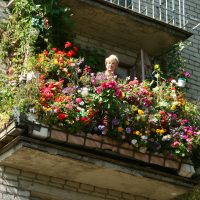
(31, 28)
(76, 99)
(174, 64)
(93, 57)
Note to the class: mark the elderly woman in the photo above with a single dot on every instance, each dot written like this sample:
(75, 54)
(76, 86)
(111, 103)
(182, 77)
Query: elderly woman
(111, 64)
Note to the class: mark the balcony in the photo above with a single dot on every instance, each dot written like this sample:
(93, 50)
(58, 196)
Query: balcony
(152, 27)
(85, 158)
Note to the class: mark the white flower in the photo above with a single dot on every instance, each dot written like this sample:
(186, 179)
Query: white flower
(133, 142)
(85, 92)
(173, 81)
(166, 137)
(156, 89)
(30, 76)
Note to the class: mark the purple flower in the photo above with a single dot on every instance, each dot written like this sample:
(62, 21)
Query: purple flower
(128, 130)
(115, 122)
(186, 74)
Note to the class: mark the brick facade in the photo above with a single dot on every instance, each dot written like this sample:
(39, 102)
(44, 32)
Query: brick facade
(192, 52)
(17, 184)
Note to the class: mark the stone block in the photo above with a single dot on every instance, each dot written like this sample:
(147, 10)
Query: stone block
(92, 143)
(73, 184)
(12, 170)
(87, 187)
(109, 147)
(11, 190)
(8, 196)
(24, 193)
(74, 139)
(58, 136)
(186, 170)
(10, 177)
(141, 156)
(40, 132)
(115, 193)
(94, 137)
(28, 174)
(172, 164)
(110, 197)
(157, 160)
(57, 180)
(101, 190)
(126, 152)
(128, 196)
(2, 188)
(11, 183)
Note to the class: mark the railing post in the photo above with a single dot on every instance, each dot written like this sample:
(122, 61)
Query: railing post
(132, 5)
(184, 23)
(180, 13)
(153, 11)
(173, 10)
(139, 6)
(166, 11)
(160, 13)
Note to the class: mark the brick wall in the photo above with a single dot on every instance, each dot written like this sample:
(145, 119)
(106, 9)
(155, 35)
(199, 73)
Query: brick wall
(17, 184)
(192, 52)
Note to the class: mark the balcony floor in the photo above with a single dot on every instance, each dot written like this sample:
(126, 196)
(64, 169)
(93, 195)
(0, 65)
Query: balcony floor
(118, 26)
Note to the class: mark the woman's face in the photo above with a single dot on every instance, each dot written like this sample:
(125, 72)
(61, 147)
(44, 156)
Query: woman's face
(111, 65)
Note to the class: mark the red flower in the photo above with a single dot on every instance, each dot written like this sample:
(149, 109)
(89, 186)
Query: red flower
(70, 53)
(75, 49)
(68, 44)
(54, 49)
(84, 119)
(161, 112)
(62, 116)
(46, 53)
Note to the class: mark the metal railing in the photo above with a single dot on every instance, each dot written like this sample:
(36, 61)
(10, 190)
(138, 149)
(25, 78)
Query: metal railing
(168, 11)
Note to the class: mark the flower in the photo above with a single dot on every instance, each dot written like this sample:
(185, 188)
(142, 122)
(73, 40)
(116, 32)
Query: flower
(68, 44)
(62, 116)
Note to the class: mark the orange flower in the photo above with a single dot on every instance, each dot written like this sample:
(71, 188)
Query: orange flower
(120, 129)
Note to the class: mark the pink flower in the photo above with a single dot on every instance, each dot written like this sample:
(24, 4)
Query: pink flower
(99, 90)
(175, 144)
(78, 100)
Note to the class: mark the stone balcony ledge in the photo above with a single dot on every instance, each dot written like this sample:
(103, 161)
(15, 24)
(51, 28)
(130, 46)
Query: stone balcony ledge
(86, 157)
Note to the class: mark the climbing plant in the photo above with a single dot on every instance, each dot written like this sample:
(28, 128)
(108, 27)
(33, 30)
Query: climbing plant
(33, 26)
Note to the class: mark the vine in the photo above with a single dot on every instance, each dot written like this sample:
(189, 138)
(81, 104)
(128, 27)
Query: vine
(33, 26)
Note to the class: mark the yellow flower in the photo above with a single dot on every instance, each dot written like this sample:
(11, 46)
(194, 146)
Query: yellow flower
(157, 130)
(127, 123)
(162, 131)
(140, 112)
(157, 67)
(55, 61)
(133, 107)
(120, 129)
(173, 107)
(137, 133)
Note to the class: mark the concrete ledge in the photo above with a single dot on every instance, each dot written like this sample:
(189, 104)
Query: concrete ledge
(72, 164)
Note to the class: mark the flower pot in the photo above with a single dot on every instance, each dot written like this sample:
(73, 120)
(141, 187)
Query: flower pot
(181, 82)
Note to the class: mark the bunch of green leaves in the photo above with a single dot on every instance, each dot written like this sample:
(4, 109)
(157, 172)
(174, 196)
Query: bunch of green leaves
(174, 62)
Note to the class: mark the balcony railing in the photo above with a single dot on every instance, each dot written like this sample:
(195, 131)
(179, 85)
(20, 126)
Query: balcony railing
(168, 11)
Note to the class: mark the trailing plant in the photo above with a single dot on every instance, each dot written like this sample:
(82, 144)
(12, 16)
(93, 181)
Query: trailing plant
(33, 26)
(174, 63)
